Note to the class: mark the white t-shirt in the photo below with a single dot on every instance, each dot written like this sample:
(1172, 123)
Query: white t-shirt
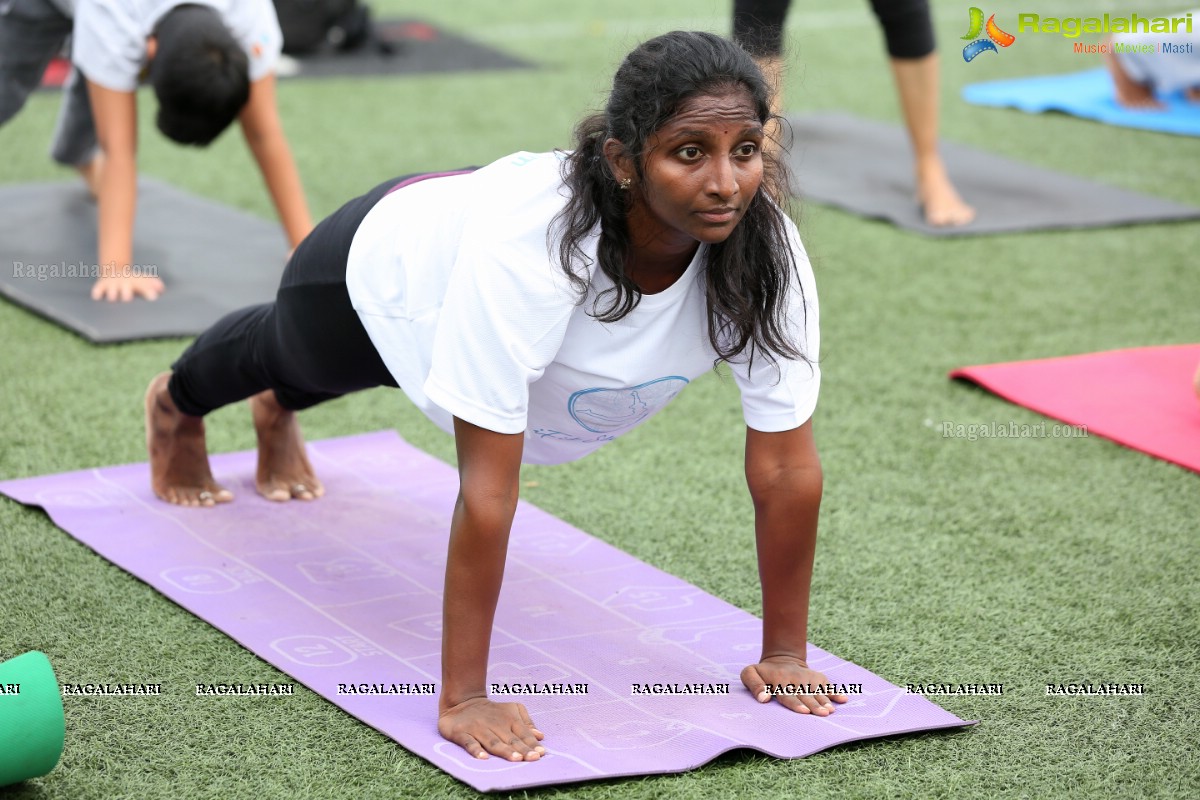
(469, 309)
(109, 37)
(1174, 63)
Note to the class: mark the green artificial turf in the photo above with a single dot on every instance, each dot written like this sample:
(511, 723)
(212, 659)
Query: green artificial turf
(1018, 561)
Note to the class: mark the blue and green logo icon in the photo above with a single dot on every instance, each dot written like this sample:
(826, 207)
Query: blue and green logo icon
(994, 37)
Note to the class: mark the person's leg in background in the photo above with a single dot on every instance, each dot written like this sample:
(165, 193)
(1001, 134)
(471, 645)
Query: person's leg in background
(908, 33)
(32, 32)
(74, 143)
(758, 27)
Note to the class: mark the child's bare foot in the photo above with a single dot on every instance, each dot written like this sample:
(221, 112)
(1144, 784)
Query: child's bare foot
(179, 471)
(283, 468)
(938, 198)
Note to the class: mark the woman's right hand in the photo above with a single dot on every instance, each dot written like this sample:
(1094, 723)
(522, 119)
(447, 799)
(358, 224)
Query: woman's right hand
(481, 727)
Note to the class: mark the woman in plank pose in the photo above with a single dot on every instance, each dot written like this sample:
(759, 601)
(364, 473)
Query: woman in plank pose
(537, 308)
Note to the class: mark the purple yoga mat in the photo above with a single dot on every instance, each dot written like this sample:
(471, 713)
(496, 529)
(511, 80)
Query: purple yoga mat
(347, 590)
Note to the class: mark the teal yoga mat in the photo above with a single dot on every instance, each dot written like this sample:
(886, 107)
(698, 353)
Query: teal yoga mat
(32, 728)
(1088, 95)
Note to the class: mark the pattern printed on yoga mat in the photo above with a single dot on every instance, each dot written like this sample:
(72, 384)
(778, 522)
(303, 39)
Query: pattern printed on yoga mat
(347, 591)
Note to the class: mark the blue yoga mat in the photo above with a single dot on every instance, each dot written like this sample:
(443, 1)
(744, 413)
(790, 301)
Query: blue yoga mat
(1088, 95)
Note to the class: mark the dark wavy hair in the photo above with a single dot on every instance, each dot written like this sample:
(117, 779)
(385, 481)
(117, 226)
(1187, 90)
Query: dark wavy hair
(747, 276)
(200, 75)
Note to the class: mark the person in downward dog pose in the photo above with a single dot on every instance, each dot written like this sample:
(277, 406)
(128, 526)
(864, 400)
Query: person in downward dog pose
(210, 63)
(1150, 66)
(537, 308)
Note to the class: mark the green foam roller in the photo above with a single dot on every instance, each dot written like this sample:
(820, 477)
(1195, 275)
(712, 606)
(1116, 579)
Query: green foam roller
(32, 728)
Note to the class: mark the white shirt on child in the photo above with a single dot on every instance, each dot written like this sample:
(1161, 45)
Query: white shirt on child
(109, 38)
(1174, 62)
(456, 286)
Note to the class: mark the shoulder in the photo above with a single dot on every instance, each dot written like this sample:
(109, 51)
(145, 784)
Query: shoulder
(255, 25)
(491, 224)
(519, 177)
(92, 13)
(108, 43)
(241, 13)
(516, 199)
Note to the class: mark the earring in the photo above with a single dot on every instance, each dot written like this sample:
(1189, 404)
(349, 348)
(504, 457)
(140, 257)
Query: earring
(625, 183)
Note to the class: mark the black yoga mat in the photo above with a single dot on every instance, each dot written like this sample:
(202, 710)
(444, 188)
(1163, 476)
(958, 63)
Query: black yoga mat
(865, 167)
(212, 258)
(405, 46)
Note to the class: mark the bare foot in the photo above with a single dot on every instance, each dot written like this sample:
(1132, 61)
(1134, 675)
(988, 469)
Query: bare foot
(283, 468)
(179, 471)
(938, 198)
(1192, 93)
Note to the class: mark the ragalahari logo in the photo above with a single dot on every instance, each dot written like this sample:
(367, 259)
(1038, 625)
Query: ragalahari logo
(995, 36)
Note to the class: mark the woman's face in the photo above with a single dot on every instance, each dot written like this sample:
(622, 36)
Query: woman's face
(700, 171)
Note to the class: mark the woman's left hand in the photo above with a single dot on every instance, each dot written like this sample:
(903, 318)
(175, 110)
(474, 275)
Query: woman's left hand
(789, 680)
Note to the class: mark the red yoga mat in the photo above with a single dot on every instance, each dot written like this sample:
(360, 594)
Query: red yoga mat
(1142, 398)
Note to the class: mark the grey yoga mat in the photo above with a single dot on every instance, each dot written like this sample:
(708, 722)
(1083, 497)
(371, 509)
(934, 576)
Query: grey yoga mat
(405, 46)
(865, 167)
(213, 259)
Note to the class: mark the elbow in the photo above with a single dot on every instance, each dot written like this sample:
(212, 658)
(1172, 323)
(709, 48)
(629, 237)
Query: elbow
(802, 483)
(255, 141)
(488, 509)
(259, 134)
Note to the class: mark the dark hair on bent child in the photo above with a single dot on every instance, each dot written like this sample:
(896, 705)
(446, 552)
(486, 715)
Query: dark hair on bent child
(200, 74)
(747, 277)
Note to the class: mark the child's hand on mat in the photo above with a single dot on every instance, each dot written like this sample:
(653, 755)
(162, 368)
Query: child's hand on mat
(788, 680)
(124, 288)
(480, 727)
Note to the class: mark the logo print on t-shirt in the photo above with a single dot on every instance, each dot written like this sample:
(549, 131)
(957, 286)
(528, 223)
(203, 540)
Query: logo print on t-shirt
(615, 410)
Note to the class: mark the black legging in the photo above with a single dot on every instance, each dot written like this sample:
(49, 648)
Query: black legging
(308, 345)
(907, 26)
